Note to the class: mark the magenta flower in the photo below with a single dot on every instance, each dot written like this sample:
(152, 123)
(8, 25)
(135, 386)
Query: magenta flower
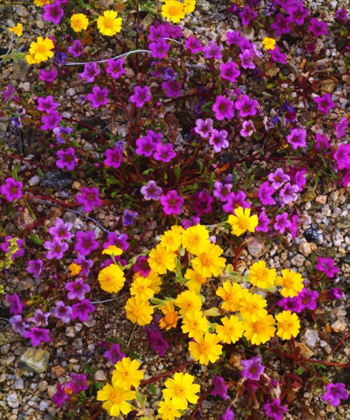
(85, 242)
(47, 104)
(61, 230)
(298, 13)
(159, 48)
(296, 138)
(327, 266)
(318, 28)
(265, 194)
(118, 240)
(114, 157)
(8, 92)
(115, 68)
(202, 202)
(341, 14)
(141, 267)
(158, 32)
(289, 193)
(291, 304)
(322, 142)
(91, 70)
(247, 15)
(334, 393)
(12, 189)
(56, 249)
(82, 310)
(151, 191)
(228, 415)
(229, 71)
(204, 128)
(114, 354)
(53, 13)
(213, 50)
(278, 56)
(232, 37)
(18, 324)
(342, 156)
(277, 178)
(140, 96)
(341, 127)
(67, 159)
(15, 304)
(294, 226)
(51, 120)
(253, 368)
(222, 191)
(235, 200)
(220, 388)
(193, 44)
(48, 76)
(164, 152)
(6, 246)
(333, 293)
(40, 319)
(76, 49)
(246, 106)
(186, 223)
(274, 409)
(308, 299)
(37, 335)
(145, 146)
(157, 341)
(223, 108)
(171, 203)
(247, 59)
(89, 198)
(282, 223)
(84, 264)
(218, 139)
(281, 25)
(99, 97)
(297, 176)
(35, 267)
(128, 217)
(172, 89)
(247, 128)
(264, 222)
(77, 289)
(325, 103)
(62, 312)
(60, 396)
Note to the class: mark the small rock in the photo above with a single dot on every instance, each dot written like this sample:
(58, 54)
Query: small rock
(43, 406)
(298, 260)
(12, 400)
(19, 384)
(57, 180)
(321, 199)
(338, 326)
(34, 360)
(35, 180)
(40, 24)
(70, 92)
(305, 248)
(257, 247)
(308, 196)
(42, 386)
(57, 371)
(311, 234)
(311, 337)
(100, 376)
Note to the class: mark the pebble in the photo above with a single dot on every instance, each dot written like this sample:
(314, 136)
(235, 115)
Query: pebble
(100, 375)
(298, 260)
(34, 360)
(42, 386)
(70, 92)
(12, 400)
(305, 248)
(338, 326)
(257, 247)
(35, 180)
(311, 337)
(19, 384)
(43, 406)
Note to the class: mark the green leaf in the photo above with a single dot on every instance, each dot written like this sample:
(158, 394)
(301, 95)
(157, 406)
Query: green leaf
(35, 239)
(15, 170)
(40, 172)
(147, 171)
(177, 172)
(152, 388)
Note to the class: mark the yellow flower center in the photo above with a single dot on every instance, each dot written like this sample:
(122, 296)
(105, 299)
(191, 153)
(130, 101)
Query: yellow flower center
(109, 23)
(204, 348)
(78, 22)
(171, 318)
(259, 327)
(228, 330)
(136, 312)
(41, 49)
(116, 397)
(194, 239)
(261, 276)
(287, 325)
(206, 260)
(159, 259)
(243, 223)
(200, 279)
(179, 391)
(188, 305)
(288, 283)
(108, 279)
(252, 308)
(174, 10)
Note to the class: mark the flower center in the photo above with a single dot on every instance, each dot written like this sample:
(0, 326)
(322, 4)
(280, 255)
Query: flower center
(116, 397)
(288, 283)
(179, 391)
(252, 308)
(188, 305)
(243, 223)
(259, 327)
(108, 279)
(287, 325)
(171, 318)
(204, 348)
(172, 202)
(206, 260)
(136, 312)
(41, 49)
(174, 10)
(109, 23)
(13, 190)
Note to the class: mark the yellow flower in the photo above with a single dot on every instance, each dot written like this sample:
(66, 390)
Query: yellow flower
(195, 239)
(18, 29)
(139, 311)
(181, 390)
(261, 276)
(253, 307)
(171, 240)
(111, 279)
(231, 295)
(74, 269)
(116, 399)
(206, 349)
(189, 6)
(259, 331)
(141, 288)
(188, 302)
(167, 410)
(269, 43)
(195, 325)
(31, 60)
(209, 263)
(195, 280)
(112, 250)
(41, 3)
(292, 283)
(126, 373)
(231, 330)
(174, 10)
(155, 280)
(160, 260)
(41, 49)
(79, 22)
(241, 221)
(109, 24)
(288, 325)
(171, 318)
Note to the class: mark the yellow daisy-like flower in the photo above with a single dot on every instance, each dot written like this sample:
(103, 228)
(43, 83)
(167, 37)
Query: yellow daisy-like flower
(231, 330)
(141, 288)
(41, 50)
(79, 22)
(111, 279)
(206, 349)
(189, 6)
(253, 307)
(127, 373)
(288, 325)
(74, 269)
(209, 263)
(261, 276)
(167, 410)
(292, 283)
(173, 10)
(41, 3)
(241, 221)
(171, 317)
(188, 302)
(160, 260)
(171, 240)
(181, 390)
(155, 280)
(139, 311)
(18, 29)
(195, 325)
(195, 280)
(259, 331)
(195, 239)
(112, 250)
(269, 43)
(116, 399)
(231, 295)
(109, 24)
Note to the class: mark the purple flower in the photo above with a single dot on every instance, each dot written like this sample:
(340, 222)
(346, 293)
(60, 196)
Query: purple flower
(164, 152)
(342, 156)
(253, 368)
(62, 312)
(296, 175)
(76, 49)
(278, 56)
(334, 393)
(56, 249)
(341, 127)
(326, 265)
(67, 159)
(248, 128)
(18, 325)
(79, 382)
(141, 266)
(157, 341)
(37, 335)
(341, 14)
(115, 68)
(325, 103)
(218, 139)
(291, 304)
(221, 191)
(204, 128)
(60, 396)
(247, 59)
(48, 76)
(15, 304)
(322, 142)
(289, 193)
(278, 178)
(159, 48)
(317, 27)
(35, 267)
(220, 388)
(140, 96)
(223, 108)
(202, 203)
(59, 131)
(51, 120)
(114, 157)
(40, 318)
(151, 191)
(82, 309)
(145, 146)
(229, 71)
(213, 50)
(12, 189)
(247, 15)
(53, 12)
(186, 223)
(334, 293)
(296, 138)
(118, 240)
(114, 354)
(294, 226)
(171, 203)
(308, 298)
(193, 44)
(91, 70)
(235, 200)
(8, 92)
(6, 247)
(264, 221)
(274, 409)
(228, 415)
(61, 230)
(47, 104)
(265, 194)
(88, 199)
(232, 37)
(99, 97)
(298, 13)
(85, 242)
(84, 264)
(246, 106)
(282, 223)
(281, 25)
(128, 217)
(172, 88)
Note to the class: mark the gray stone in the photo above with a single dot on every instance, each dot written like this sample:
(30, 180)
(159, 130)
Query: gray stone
(12, 400)
(19, 384)
(311, 337)
(257, 247)
(34, 360)
(35, 180)
(57, 180)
